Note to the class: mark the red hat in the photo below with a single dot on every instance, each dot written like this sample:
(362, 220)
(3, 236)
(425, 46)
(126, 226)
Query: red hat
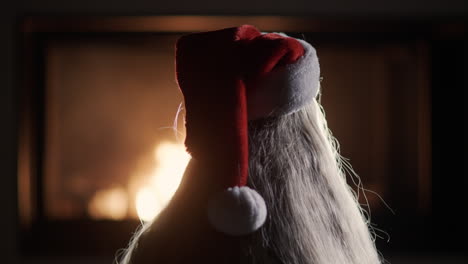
(228, 77)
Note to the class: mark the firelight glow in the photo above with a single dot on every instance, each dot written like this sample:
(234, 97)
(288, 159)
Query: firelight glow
(147, 204)
(109, 204)
(171, 160)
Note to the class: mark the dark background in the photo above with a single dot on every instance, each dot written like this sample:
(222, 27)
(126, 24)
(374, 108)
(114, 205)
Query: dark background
(448, 114)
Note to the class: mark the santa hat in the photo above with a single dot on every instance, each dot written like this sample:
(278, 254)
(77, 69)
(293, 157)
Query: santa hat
(229, 77)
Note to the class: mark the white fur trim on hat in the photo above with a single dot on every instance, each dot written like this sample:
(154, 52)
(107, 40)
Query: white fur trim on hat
(286, 89)
(237, 211)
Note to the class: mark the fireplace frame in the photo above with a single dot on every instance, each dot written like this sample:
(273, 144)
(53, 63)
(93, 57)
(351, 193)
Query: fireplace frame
(40, 236)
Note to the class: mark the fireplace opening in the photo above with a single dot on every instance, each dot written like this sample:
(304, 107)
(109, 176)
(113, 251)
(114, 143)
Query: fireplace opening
(113, 127)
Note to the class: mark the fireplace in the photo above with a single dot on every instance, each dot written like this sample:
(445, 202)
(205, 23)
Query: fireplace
(102, 130)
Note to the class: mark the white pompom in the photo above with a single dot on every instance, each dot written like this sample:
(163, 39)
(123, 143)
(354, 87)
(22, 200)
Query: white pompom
(237, 211)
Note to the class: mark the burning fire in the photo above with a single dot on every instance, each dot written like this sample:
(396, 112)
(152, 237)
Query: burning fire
(161, 183)
(171, 161)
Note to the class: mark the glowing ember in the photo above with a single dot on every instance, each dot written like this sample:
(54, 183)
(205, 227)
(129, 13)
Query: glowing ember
(109, 204)
(171, 160)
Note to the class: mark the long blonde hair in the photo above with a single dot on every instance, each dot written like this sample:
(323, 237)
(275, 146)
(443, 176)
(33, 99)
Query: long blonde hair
(313, 215)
